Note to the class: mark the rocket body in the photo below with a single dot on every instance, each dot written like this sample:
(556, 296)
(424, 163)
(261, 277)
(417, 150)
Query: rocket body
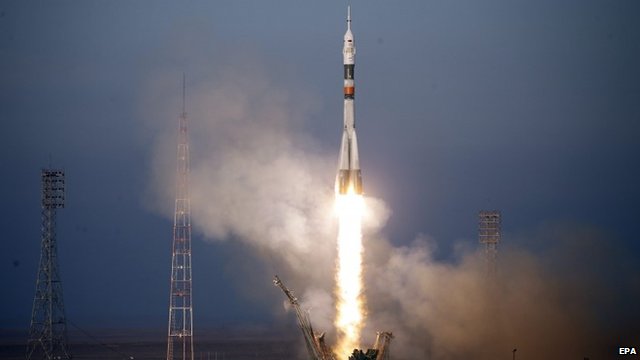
(349, 177)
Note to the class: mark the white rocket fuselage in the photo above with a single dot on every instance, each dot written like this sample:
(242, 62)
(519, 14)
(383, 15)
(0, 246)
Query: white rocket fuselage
(349, 178)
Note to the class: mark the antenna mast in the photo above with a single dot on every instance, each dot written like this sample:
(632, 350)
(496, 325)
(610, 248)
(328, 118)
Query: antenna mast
(180, 333)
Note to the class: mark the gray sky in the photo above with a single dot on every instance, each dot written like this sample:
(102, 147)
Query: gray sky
(532, 108)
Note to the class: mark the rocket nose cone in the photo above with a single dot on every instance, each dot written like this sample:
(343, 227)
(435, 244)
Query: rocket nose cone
(348, 35)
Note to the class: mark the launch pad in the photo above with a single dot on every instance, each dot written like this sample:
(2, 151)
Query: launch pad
(318, 349)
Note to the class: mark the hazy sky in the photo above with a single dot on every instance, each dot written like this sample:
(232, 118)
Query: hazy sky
(530, 107)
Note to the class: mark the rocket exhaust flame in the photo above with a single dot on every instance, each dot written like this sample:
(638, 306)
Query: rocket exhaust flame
(349, 289)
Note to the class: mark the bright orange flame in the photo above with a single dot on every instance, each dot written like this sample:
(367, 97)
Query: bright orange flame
(349, 288)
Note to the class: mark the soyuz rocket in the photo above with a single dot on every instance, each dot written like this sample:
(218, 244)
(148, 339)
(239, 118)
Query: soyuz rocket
(349, 178)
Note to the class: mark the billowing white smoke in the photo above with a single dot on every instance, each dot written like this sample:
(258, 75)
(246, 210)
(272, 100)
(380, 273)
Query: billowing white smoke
(256, 177)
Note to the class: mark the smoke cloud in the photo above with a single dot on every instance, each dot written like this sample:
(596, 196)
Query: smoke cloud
(454, 311)
(257, 177)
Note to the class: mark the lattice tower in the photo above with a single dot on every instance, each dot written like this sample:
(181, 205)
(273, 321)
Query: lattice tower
(180, 332)
(48, 330)
(489, 235)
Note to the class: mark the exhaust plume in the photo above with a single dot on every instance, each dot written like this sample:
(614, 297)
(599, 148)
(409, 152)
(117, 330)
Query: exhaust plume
(258, 178)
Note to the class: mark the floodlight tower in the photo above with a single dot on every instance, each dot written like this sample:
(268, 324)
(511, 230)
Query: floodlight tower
(48, 330)
(180, 337)
(489, 235)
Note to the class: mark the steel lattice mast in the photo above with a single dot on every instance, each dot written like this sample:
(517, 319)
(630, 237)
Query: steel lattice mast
(48, 330)
(180, 337)
(489, 235)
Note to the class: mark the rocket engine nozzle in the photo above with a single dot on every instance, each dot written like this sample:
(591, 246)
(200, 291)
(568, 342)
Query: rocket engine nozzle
(349, 181)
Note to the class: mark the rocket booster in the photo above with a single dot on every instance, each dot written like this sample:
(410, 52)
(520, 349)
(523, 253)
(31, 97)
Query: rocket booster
(349, 178)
